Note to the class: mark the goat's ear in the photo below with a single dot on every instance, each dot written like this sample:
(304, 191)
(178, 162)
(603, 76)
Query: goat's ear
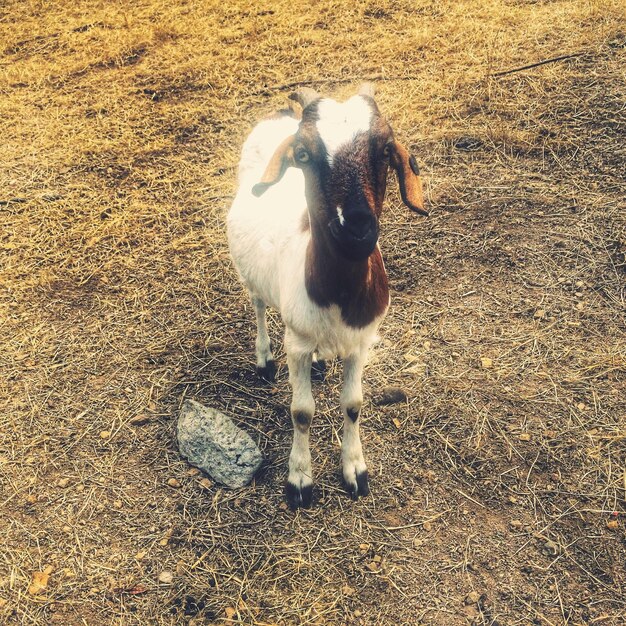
(280, 161)
(408, 177)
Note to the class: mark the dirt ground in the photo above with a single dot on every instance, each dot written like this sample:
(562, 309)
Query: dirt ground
(498, 487)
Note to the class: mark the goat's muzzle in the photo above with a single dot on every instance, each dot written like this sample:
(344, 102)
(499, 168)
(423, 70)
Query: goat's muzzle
(355, 235)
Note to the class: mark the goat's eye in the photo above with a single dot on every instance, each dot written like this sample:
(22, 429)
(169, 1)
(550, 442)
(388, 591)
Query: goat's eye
(387, 151)
(301, 154)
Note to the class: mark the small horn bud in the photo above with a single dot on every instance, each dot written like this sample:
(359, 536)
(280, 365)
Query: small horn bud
(304, 96)
(367, 89)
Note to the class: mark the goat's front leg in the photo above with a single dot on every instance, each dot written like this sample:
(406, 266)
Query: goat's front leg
(299, 487)
(354, 468)
(265, 366)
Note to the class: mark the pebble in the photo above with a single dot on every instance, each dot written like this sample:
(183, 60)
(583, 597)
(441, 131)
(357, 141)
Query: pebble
(612, 524)
(391, 395)
(472, 597)
(427, 526)
(348, 591)
(539, 314)
(166, 538)
(172, 482)
(139, 420)
(105, 434)
(551, 547)
(486, 362)
(430, 475)
(166, 577)
(63, 483)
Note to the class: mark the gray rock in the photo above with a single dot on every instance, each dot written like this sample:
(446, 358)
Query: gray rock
(209, 440)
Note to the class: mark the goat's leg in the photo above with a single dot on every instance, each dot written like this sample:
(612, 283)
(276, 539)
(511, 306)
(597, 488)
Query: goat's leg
(318, 369)
(353, 463)
(265, 366)
(299, 487)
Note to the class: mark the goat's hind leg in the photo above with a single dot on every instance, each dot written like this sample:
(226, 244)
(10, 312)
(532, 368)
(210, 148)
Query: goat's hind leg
(352, 461)
(265, 366)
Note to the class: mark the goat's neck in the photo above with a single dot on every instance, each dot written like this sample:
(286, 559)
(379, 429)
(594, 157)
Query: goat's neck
(359, 288)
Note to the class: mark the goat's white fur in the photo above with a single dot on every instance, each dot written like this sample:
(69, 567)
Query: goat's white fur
(340, 122)
(268, 246)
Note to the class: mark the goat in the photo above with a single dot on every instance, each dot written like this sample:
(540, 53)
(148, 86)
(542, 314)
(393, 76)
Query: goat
(303, 234)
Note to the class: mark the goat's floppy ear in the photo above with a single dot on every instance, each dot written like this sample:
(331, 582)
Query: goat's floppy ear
(408, 177)
(280, 161)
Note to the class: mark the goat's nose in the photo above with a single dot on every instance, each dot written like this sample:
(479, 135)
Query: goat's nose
(359, 223)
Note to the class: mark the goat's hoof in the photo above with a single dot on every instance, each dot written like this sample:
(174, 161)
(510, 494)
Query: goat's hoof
(298, 497)
(267, 373)
(318, 371)
(360, 488)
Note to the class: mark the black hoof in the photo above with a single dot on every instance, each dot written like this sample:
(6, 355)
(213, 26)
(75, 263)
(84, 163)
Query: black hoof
(267, 373)
(318, 371)
(298, 498)
(361, 488)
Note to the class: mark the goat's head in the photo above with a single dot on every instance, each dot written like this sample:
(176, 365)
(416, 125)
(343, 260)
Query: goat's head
(345, 150)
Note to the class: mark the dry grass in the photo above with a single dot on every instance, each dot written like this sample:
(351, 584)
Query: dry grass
(121, 129)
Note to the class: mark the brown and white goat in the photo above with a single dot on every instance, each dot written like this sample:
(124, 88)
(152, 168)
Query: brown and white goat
(303, 234)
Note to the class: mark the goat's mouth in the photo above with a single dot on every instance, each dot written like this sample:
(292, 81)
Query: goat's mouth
(354, 245)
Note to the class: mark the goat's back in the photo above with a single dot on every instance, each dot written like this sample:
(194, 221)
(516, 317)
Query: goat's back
(265, 233)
